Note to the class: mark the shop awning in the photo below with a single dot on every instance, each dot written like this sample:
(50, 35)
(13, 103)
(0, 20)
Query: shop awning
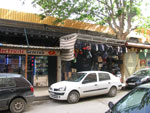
(137, 45)
(68, 42)
(31, 47)
(30, 50)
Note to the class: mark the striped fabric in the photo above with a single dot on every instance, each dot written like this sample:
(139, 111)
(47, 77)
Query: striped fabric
(67, 43)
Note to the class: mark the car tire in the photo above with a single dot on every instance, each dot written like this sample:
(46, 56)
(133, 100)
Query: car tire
(112, 92)
(17, 105)
(73, 97)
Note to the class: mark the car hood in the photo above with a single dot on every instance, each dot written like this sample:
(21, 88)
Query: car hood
(136, 78)
(63, 84)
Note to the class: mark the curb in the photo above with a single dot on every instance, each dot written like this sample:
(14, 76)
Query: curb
(41, 98)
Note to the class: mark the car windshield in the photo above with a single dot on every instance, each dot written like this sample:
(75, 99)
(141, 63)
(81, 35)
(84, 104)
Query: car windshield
(137, 101)
(142, 73)
(76, 77)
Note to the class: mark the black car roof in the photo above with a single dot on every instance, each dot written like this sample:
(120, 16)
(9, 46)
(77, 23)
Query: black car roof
(9, 75)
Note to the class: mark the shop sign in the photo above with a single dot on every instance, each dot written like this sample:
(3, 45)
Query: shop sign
(29, 52)
(52, 52)
(42, 52)
(11, 51)
(35, 52)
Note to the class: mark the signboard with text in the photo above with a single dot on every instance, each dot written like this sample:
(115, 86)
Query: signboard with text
(29, 52)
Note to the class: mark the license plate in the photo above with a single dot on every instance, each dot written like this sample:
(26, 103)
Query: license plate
(53, 95)
(131, 83)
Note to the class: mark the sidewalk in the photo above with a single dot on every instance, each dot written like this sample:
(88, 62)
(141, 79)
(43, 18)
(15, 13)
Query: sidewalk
(41, 93)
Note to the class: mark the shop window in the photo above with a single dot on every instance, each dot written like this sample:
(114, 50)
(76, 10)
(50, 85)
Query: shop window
(12, 64)
(41, 66)
(2, 63)
(90, 78)
(103, 76)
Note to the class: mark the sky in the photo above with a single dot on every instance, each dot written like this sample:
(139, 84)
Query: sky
(28, 7)
(18, 6)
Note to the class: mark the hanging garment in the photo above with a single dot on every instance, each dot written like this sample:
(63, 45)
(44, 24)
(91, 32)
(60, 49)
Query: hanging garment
(94, 47)
(104, 55)
(106, 47)
(148, 55)
(119, 50)
(101, 47)
(124, 49)
(142, 55)
(110, 51)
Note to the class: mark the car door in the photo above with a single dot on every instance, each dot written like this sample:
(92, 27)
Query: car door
(6, 91)
(104, 82)
(89, 85)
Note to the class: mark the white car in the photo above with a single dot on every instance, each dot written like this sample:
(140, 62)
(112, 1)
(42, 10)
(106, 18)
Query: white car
(85, 84)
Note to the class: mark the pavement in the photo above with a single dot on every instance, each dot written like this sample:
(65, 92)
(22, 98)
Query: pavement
(41, 93)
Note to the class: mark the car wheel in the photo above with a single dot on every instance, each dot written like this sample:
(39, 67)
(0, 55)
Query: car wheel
(73, 97)
(112, 91)
(17, 105)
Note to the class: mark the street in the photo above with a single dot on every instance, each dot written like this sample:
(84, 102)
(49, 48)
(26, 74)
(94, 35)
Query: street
(98, 104)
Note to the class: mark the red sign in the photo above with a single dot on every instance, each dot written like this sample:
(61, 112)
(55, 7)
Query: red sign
(29, 52)
(12, 51)
(52, 52)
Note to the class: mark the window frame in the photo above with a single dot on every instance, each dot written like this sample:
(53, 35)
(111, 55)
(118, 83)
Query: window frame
(87, 82)
(103, 76)
(6, 82)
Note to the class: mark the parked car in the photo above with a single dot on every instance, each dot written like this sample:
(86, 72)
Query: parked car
(139, 77)
(15, 92)
(85, 84)
(136, 101)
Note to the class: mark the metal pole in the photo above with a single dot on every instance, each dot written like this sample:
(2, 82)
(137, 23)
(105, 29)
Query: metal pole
(26, 59)
(26, 65)
(58, 68)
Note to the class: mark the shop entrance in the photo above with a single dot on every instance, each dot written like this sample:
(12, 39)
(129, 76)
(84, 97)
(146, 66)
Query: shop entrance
(40, 70)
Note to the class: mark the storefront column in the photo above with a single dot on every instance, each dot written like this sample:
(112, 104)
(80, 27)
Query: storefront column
(122, 69)
(26, 65)
(58, 68)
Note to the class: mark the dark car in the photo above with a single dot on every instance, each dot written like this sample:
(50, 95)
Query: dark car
(136, 101)
(139, 77)
(15, 92)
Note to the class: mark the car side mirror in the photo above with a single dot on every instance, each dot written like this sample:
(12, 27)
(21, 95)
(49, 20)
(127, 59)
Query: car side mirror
(110, 104)
(85, 81)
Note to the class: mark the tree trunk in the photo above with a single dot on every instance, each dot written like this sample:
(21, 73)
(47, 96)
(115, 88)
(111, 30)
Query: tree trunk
(121, 36)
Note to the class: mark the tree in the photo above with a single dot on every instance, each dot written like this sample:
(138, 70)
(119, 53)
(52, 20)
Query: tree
(119, 15)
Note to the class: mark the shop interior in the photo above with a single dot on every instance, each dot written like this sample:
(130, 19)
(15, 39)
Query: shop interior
(94, 56)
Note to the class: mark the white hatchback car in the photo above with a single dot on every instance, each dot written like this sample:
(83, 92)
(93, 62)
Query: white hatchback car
(85, 84)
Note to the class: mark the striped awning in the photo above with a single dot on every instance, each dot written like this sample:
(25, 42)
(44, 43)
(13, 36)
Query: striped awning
(68, 42)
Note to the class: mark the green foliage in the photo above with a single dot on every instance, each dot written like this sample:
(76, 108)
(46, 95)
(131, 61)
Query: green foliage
(118, 14)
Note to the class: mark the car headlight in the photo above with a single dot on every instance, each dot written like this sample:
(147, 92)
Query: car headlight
(62, 88)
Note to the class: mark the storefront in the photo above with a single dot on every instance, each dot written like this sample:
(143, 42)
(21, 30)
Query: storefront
(91, 53)
(33, 64)
(138, 57)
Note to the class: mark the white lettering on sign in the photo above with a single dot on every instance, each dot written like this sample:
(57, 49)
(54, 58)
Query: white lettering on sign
(34, 52)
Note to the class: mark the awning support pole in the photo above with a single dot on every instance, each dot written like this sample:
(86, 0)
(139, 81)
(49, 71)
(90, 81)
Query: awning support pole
(25, 32)
(26, 59)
